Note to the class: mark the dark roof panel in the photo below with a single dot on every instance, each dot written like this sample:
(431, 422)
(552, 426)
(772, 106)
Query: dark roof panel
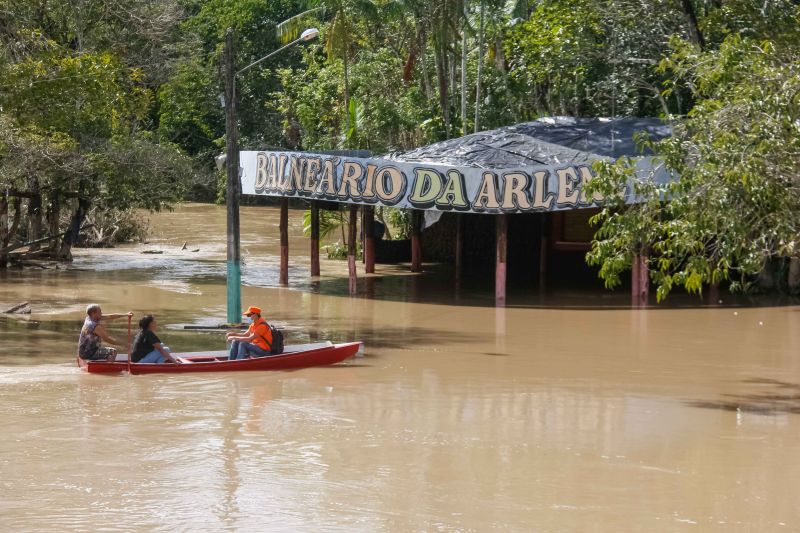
(546, 141)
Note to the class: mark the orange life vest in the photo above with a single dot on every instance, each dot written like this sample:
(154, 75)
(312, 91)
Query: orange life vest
(263, 334)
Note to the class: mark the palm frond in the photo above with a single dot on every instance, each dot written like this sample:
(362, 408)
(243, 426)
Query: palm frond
(290, 29)
(329, 221)
(367, 8)
(518, 9)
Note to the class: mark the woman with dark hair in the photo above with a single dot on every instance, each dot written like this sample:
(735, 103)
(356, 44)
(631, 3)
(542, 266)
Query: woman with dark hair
(147, 347)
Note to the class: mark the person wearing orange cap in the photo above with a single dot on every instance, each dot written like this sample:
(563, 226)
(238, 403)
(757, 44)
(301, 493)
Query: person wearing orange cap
(255, 342)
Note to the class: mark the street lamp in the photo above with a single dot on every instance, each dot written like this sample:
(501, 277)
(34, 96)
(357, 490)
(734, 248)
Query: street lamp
(234, 183)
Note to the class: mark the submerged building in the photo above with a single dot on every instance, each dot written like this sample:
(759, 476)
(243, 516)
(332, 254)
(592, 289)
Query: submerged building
(509, 201)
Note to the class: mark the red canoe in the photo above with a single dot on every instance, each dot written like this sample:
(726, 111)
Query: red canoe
(299, 356)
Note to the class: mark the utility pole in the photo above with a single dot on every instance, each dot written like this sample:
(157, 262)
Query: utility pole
(233, 188)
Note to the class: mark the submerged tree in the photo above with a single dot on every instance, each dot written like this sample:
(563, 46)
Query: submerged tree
(736, 202)
(74, 119)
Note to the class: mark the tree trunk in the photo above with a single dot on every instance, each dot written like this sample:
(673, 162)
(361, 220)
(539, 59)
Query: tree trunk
(464, 70)
(53, 217)
(480, 72)
(794, 275)
(346, 66)
(15, 224)
(34, 221)
(346, 94)
(692, 26)
(420, 45)
(6, 233)
(3, 229)
(441, 74)
(74, 230)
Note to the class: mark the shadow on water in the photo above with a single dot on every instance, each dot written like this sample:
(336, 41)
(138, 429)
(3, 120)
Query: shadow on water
(438, 286)
(395, 338)
(782, 397)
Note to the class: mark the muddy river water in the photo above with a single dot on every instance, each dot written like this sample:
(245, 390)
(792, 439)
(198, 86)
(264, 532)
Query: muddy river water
(457, 418)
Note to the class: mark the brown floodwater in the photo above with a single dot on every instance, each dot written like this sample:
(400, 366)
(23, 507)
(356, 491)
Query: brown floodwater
(564, 413)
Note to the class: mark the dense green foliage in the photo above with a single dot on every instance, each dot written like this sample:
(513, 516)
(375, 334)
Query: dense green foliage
(75, 120)
(118, 104)
(737, 153)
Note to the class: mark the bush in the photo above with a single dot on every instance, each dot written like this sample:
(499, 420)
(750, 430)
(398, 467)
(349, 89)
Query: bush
(113, 227)
(338, 250)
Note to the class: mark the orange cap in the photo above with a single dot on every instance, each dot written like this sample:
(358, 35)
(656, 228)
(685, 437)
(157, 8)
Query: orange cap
(252, 310)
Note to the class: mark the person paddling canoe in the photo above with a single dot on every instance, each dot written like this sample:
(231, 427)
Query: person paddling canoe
(255, 342)
(90, 342)
(147, 347)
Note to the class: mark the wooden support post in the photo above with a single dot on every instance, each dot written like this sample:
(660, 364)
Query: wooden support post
(544, 248)
(314, 238)
(351, 249)
(416, 241)
(640, 281)
(501, 226)
(284, 226)
(713, 289)
(369, 239)
(644, 280)
(459, 245)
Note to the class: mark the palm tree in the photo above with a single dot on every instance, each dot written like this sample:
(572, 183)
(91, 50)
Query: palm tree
(340, 14)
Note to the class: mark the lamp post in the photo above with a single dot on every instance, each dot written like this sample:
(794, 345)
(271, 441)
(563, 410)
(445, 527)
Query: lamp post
(234, 183)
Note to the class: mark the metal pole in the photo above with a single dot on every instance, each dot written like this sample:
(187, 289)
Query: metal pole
(233, 188)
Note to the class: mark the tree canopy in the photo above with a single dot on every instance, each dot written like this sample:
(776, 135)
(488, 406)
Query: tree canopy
(118, 103)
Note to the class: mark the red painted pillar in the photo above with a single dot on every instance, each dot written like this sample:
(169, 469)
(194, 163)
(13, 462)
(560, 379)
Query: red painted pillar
(501, 226)
(351, 249)
(369, 239)
(284, 226)
(416, 241)
(314, 238)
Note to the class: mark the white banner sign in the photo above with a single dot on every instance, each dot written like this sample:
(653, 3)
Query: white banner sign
(376, 181)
